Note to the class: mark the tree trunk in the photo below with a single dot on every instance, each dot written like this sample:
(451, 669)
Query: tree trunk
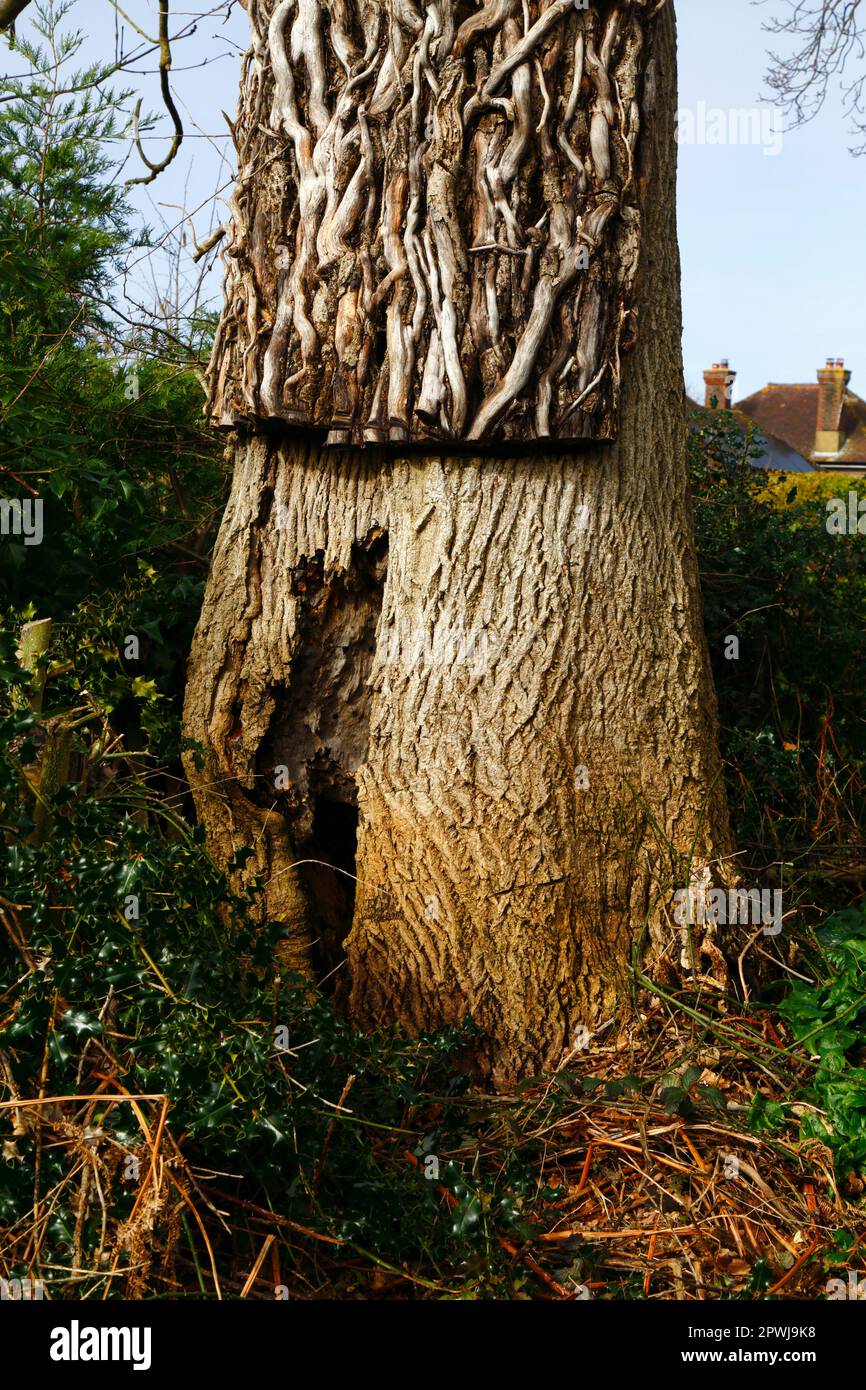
(490, 670)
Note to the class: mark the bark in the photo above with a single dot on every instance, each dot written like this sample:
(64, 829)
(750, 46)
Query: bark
(495, 669)
(437, 219)
(9, 12)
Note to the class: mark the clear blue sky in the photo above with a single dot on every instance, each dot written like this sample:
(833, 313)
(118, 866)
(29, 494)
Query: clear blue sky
(774, 275)
(774, 272)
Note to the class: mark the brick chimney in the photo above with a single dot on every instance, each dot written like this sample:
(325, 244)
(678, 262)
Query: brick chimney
(832, 381)
(719, 381)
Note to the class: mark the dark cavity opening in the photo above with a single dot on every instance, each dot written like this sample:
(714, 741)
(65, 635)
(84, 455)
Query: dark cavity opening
(331, 890)
(319, 733)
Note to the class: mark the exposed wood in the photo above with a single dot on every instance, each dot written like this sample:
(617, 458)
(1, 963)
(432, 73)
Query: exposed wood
(437, 220)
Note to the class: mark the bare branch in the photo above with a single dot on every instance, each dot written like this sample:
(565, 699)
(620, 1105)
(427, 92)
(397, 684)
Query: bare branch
(209, 243)
(164, 70)
(830, 37)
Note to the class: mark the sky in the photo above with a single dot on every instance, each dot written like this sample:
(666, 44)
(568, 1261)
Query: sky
(774, 272)
(771, 222)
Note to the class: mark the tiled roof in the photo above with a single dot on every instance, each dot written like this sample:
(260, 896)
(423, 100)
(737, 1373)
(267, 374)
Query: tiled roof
(791, 412)
(777, 454)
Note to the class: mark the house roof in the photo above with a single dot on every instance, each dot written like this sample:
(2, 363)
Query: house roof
(789, 413)
(777, 455)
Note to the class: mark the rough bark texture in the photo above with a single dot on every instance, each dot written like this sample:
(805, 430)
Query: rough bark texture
(498, 667)
(437, 219)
